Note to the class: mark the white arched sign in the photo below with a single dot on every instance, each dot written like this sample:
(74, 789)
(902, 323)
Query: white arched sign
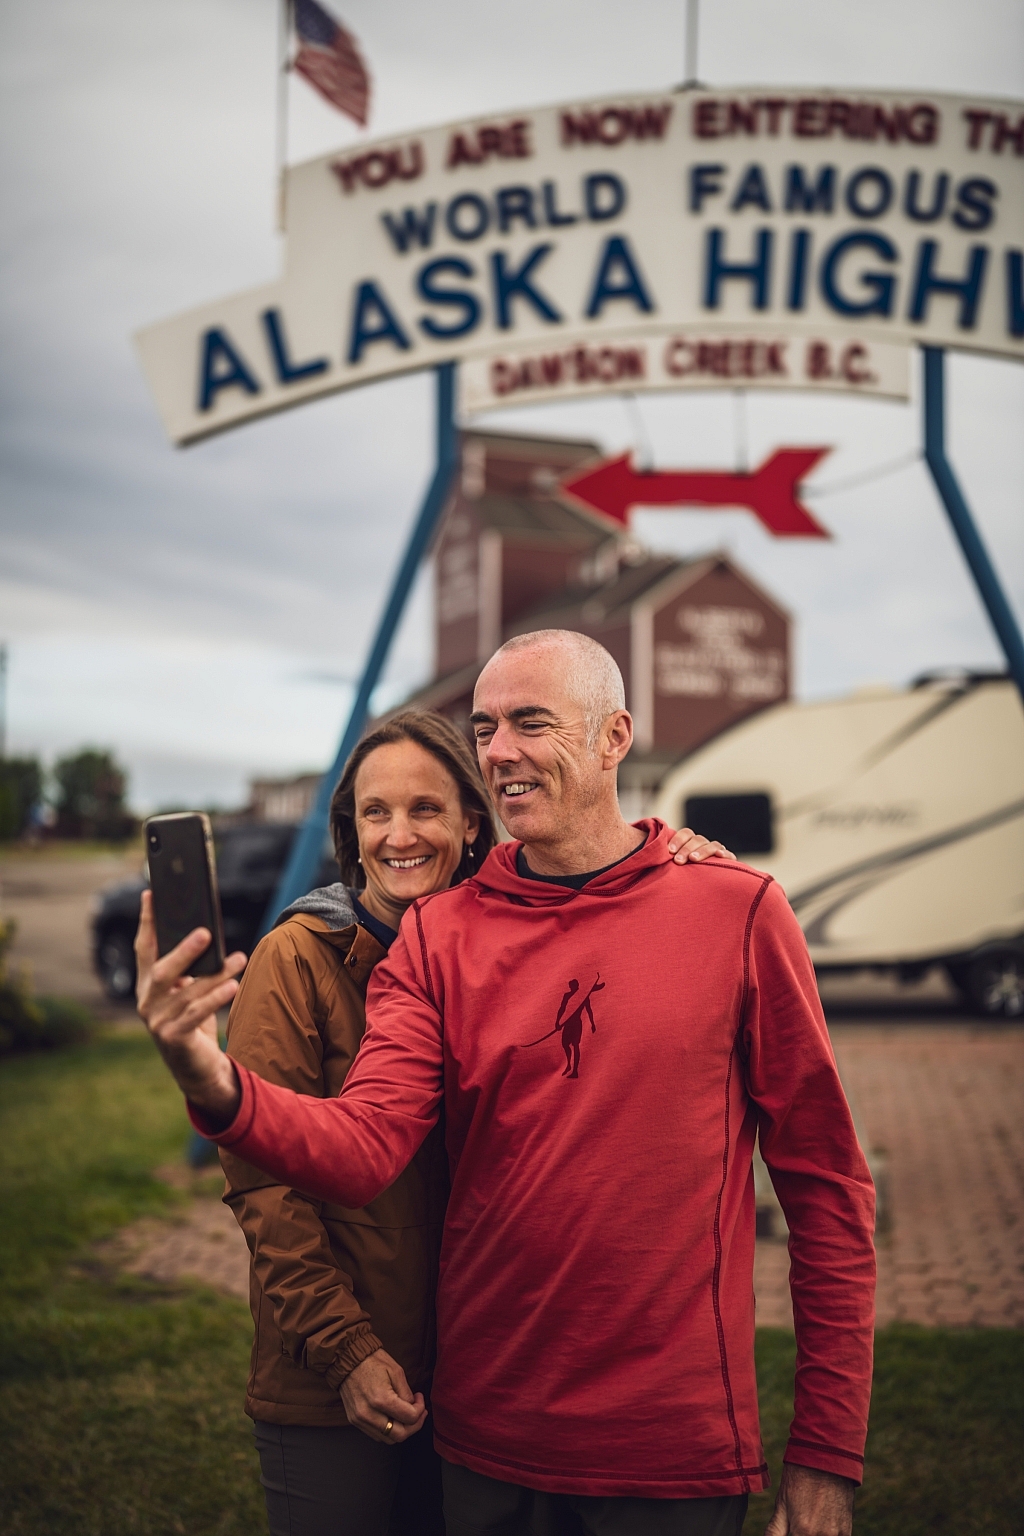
(745, 238)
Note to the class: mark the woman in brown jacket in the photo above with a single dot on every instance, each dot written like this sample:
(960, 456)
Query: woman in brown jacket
(343, 1300)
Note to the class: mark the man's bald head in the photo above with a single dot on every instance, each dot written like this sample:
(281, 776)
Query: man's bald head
(592, 677)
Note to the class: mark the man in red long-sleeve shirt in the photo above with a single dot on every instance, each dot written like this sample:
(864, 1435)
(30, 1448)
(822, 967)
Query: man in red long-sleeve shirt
(595, 1305)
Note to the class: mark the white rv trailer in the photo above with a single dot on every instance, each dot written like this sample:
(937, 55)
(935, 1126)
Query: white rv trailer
(894, 821)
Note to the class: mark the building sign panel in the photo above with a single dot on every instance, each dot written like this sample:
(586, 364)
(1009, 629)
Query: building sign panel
(744, 238)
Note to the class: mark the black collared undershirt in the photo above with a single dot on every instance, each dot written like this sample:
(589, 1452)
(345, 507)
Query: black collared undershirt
(575, 882)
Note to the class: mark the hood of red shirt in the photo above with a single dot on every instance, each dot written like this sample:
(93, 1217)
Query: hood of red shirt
(498, 872)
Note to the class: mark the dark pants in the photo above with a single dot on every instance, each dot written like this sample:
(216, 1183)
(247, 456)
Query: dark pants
(481, 1506)
(338, 1482)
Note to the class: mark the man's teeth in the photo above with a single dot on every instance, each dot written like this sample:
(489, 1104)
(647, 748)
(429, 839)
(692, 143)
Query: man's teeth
(406, 863)
(517, 789)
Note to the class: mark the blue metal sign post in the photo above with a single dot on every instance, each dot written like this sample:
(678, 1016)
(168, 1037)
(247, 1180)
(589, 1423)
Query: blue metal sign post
(307, 850)
(992, 595)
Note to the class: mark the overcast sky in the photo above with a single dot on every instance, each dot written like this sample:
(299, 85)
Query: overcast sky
(200, 610)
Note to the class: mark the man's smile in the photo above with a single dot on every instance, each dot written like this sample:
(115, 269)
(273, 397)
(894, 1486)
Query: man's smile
(517, 789)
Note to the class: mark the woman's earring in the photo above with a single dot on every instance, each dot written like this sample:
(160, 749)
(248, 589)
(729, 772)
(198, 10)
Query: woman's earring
(469, 852)
(358, 860)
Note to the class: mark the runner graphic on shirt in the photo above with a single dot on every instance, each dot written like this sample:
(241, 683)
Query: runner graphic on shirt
(571, 1026)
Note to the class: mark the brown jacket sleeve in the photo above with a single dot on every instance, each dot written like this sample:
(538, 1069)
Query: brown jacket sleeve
(284, 1018)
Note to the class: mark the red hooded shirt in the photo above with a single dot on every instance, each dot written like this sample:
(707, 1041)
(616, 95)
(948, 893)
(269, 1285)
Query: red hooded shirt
(605, 1057)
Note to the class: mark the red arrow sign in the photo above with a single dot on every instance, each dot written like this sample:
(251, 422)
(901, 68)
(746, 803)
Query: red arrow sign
(771, 492)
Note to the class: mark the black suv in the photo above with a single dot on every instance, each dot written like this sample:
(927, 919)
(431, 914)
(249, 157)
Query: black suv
(250, 858)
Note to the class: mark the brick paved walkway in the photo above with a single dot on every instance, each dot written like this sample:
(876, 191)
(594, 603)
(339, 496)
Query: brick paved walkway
(943, 1102)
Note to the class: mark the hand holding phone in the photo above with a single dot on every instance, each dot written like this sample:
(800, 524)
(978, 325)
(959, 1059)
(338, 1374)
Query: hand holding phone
(183, 976)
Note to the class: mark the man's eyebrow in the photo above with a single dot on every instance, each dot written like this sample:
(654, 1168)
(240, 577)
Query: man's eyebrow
(521, 712)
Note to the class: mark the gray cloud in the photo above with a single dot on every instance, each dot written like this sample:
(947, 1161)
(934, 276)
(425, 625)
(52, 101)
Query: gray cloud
(176, 604)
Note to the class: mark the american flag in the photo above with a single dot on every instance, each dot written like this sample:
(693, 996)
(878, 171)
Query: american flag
(329, 59)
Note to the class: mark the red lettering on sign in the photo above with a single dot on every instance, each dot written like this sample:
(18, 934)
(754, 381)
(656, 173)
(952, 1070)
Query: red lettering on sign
(581, 365)
(774, 106)
(613, 125)
(742, 116)
(922, 124)
(726, 359)
(499, 141)
(1004, 134)
(976, 121)
(815, 118)
(809, 120)
(849, 366)
(379, 167)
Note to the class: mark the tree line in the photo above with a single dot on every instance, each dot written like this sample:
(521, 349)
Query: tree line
(83, 796)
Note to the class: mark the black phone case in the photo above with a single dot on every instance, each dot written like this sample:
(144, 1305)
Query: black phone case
(183, 879)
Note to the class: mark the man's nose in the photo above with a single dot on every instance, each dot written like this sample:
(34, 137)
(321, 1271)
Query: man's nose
(502, 747)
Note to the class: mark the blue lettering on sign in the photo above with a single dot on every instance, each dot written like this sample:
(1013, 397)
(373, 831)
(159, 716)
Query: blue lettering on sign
(222, 367)
(515, 203)
(604, 196)
(287, 371)
(373, 320)
(940, 191)
(618, 277)
(705, 181)
(799, 251)
(875, 203)
(802, 197)
(880, 285)
(479, 217)
(752, 189)
(756, 272)
(551, 213)
(415, 228)
(509, 285)
(975, 196)
(927, 281)
(1015, 292)
(458, 298)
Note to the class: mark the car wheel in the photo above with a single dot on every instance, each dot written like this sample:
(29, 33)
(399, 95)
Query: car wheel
(117, 966)
(996, 984)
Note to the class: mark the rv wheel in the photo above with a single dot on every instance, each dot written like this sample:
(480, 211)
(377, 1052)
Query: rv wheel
(996, 984)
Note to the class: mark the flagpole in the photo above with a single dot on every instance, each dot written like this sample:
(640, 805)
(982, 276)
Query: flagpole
(281, 145)
(690, 45)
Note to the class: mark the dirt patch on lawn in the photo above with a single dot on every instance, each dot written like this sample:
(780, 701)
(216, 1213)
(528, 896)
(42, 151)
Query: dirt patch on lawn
(198, 1241)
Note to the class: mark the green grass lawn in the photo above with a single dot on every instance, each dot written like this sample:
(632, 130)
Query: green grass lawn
(120, 1402)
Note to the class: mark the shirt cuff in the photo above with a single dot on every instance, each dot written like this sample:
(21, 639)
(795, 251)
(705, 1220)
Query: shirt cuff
(825, 1458)
(227, 1136)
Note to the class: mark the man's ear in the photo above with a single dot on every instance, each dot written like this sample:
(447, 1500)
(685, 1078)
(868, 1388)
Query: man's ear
(616, 737)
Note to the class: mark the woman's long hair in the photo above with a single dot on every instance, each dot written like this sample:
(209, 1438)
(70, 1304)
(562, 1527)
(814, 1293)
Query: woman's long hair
(446, 743)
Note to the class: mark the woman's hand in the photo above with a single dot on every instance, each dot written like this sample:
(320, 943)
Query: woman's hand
(689, 847)
(180, 1013)
(377, 1394)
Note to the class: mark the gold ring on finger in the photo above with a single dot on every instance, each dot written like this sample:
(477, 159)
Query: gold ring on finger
(389, 1426)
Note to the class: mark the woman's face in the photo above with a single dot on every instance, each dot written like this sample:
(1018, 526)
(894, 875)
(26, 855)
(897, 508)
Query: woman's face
(410, 824)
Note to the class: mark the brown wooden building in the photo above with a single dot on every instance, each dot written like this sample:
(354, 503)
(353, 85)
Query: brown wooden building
(700, 644)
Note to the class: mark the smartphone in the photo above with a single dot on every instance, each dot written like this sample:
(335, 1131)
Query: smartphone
(183, 879)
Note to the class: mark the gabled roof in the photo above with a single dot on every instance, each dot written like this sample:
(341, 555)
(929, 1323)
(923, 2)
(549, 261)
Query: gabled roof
(608, 603)
(540, 517)
(518, 446)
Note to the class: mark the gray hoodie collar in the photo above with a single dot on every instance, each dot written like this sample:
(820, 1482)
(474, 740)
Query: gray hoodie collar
(332, 903)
